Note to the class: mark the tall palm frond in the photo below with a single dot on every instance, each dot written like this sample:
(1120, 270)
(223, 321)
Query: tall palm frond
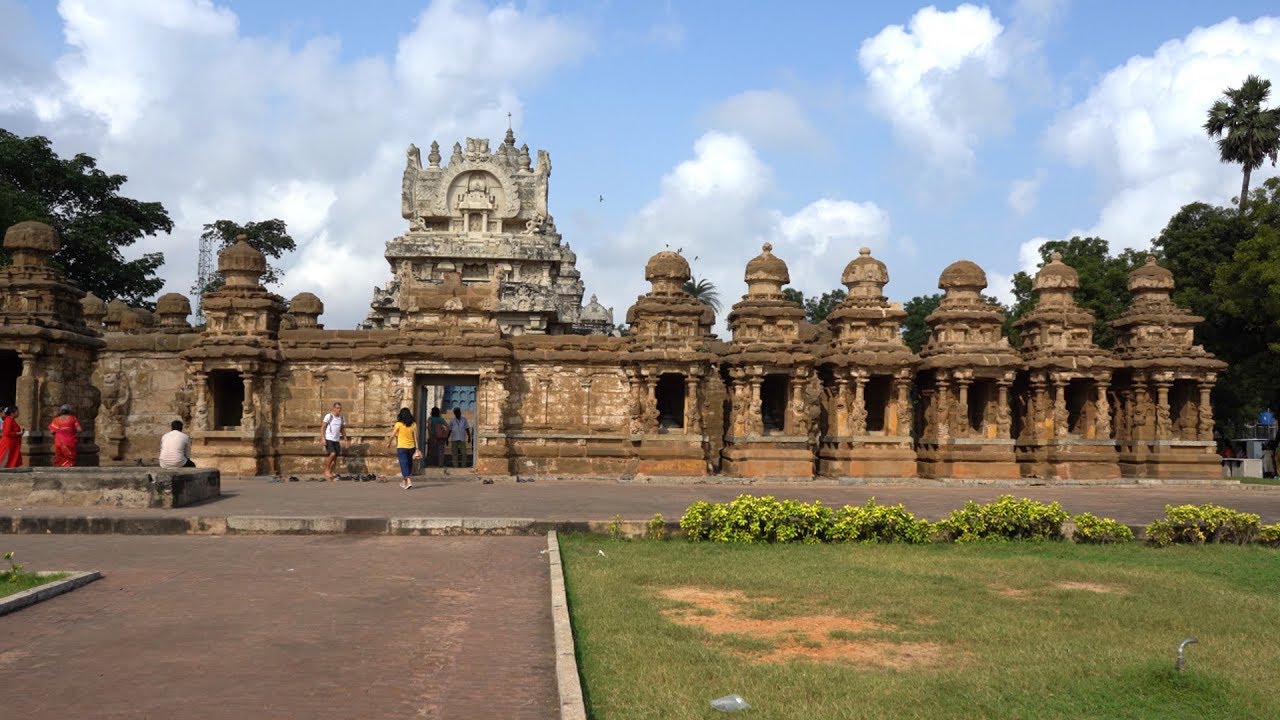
(1247, 132)
(704, 290)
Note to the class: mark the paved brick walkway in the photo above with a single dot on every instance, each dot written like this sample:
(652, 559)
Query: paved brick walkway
(565, 500)
(284, 627)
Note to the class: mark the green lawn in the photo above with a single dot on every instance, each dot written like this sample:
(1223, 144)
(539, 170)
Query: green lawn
(26, 581)
(950, 631)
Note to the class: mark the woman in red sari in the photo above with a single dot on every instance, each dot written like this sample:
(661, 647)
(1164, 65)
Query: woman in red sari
(11, 439)
(66, 437)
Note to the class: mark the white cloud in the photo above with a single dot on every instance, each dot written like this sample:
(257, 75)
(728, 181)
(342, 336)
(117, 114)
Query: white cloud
(219, 125)
(767, 118)
(939, 80)
(1024, 193)
(713, 208)
(1140, 128)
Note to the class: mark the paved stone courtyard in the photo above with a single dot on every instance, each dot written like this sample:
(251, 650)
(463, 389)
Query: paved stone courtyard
(577, 500)
(284, 627)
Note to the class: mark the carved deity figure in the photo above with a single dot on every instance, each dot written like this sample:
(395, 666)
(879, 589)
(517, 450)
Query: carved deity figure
(181, 404)
(1003, 419)
(755, 415)
(1163, 421)
(1102, 417)
(858, 417)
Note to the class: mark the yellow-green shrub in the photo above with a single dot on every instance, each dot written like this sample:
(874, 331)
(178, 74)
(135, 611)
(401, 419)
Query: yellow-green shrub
(1096, 530)
(1199, 524)
(1004, 519)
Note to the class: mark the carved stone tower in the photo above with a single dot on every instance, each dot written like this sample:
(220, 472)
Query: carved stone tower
(1164, 418)
(483, 218)
(867, 381)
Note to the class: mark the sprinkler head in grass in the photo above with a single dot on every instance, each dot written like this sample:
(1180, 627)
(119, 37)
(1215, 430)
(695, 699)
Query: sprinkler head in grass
(1182, 646)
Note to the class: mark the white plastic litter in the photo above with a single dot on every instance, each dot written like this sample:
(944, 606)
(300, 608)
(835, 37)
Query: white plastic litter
(730, 703)
(602, 553)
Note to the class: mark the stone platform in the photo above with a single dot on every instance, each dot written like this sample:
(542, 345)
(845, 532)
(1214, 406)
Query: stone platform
(120, 487)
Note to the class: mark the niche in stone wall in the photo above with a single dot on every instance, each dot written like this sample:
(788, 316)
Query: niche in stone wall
(475, 272)
(670, 396)
(773, 402)
(1079, 409)
(226, 388)
(10, 371)
(980, 394)
(1183, 409)
(876, 395)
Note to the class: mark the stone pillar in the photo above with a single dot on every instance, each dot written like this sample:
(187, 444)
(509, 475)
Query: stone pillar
(755, 416)
(200, 416)
(1036, 416)
(902, 409)
(1164, 426)
(842, 407)
(1060, 414)
(1101, 412)
(858, 409)
(248, 418)
(1204, 420)
(1004, 422)
(942, 405)
(960, 419)
(692, 408)
(362, 377)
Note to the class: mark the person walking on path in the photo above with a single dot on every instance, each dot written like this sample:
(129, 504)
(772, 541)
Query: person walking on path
(459, 437)
(437, 436)
(333, 434)
(175, 448)
(66, 437)
(11, 439)
(406, 445)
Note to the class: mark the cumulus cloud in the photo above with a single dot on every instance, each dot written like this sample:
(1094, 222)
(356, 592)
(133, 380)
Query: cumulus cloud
(937, 80)
(1140, 127)
(767, 118)
(1024, 193)
(216, 124)
(945, 80)
(713, 207)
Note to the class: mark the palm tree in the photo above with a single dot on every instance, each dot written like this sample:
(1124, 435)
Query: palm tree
(704, 290)
(1252, 133)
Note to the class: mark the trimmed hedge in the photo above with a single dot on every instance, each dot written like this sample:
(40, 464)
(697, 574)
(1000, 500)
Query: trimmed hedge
(1091, 529)
(1200, 524)
(1004, 519)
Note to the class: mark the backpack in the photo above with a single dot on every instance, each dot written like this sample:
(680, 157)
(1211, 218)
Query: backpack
(442, 431)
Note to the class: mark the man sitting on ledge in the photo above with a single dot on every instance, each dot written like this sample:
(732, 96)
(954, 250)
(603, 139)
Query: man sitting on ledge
(175, 448)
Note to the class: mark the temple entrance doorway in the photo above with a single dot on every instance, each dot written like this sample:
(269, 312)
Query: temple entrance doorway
(226, 388)
(10, 371)
(445, 392)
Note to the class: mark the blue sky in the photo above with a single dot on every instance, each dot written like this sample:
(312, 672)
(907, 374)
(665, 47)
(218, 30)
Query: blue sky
(929, 133)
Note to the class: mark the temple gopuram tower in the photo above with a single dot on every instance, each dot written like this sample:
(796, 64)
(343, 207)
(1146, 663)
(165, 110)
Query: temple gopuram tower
(1062, 418)
(867, 376)
(966, 371)
(667, 374)
(482, 218)
(1164, 421)
(47, 351)
(772, 388)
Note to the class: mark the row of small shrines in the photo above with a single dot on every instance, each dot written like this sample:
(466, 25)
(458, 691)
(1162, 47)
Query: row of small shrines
(781, 399)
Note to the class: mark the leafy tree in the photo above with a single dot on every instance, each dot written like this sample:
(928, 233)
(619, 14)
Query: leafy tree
(816, 309)
(705, 291)
(269, 237)
(915, 331)
(1103, 281)
(84, 205)
(1247, 133)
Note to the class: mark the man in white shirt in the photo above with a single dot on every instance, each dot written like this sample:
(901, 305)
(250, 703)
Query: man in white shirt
(175, 448)
(459, 436)
(333, 433)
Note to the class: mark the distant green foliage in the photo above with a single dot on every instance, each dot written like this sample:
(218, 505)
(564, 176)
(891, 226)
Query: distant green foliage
(915, 331)
(873, 522)
(816, 309)
(1004, 519)
(705, 291)
(1095, 530)
(1200, 524)
(1247, 132)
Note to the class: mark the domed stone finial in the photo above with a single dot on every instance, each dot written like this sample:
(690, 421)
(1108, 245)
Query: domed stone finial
(306, 310)
(1055, 256)
(668, 271)
(242, 264)
(173, 309)
(31, 243)
(1151, 280)
(865, 276)
(1056, 282)
(766, 274)
(94, 308)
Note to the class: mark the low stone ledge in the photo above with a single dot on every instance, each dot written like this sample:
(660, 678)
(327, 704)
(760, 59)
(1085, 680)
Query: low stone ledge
(273, 525)
(116, 486)
(497, 526)
(568, 682)
(426, 526)
(25, 598)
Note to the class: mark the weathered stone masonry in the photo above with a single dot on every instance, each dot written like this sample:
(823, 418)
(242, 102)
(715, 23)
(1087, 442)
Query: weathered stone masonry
(485, 295)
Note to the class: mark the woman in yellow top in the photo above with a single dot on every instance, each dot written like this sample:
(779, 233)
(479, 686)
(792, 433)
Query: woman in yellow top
(402, 438)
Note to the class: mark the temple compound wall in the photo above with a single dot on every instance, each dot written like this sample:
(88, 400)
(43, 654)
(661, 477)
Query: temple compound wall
(484, 313)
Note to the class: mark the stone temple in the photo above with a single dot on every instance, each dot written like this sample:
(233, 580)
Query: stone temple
(483, 311)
